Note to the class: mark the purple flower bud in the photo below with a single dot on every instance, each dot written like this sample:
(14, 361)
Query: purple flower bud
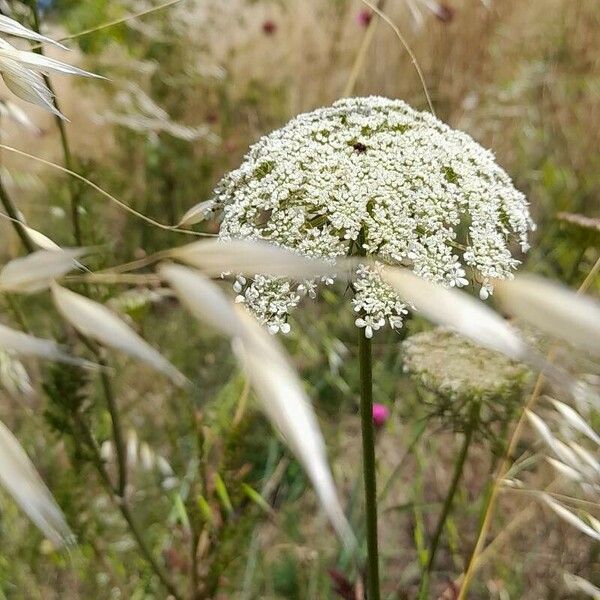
(269, 27)
(381, 413)
(364, 17)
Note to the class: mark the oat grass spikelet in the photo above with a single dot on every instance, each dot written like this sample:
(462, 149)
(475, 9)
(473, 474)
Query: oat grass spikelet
(22, 70)
(373, 176)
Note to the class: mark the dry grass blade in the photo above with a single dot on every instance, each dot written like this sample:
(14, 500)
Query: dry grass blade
(197, 213)
(85, 180)
(554, 309)
(27, 85)
(575, 420)
(272, 377)
(36, 271)
(586, 457)
(12, 27)
(45, 243)
(40, 62)
(202, 298)
(290, 411)
(580, 220)
(20, 478)
(570, 517)
(578, 584)
(18, 115)
(28, 345)
(565, 470)
(248, 258)
(458, 311)
(95, 321)
(40, 240)
(137, 15)
(561, 450)
(474, 561)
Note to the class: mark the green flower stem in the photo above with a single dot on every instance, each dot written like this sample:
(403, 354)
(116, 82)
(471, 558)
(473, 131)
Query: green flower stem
(369, 474)
(13, 213)
(459, 466)
(119, 439)
(74, 188)
(125, 509)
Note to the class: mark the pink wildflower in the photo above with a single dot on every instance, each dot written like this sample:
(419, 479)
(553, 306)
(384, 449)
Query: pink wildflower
(381, 413)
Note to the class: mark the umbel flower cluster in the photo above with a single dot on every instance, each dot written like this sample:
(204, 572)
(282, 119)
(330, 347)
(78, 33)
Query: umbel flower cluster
(372, 176)
(464, 377)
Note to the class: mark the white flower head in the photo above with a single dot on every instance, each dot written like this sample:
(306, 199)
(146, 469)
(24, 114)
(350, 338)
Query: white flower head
(373, 176)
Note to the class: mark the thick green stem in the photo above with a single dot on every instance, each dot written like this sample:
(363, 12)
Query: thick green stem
(369, 472)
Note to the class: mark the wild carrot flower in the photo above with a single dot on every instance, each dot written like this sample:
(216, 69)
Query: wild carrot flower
(456, 375)
(372, 176)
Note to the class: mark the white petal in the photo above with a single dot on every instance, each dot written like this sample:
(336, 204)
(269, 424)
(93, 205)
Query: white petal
(96, 321)
(36, 271)
(20, 478)
(554, 309)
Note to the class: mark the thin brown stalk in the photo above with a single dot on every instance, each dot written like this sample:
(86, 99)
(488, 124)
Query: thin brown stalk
(408, 49)
(110, 279)
(123, 506)
(12, 212)
(505, 462)
(362, 53)
(515, 524)
(121, 20)
(118, 438)
(74, 190)
(104, 193)
(116, 493)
